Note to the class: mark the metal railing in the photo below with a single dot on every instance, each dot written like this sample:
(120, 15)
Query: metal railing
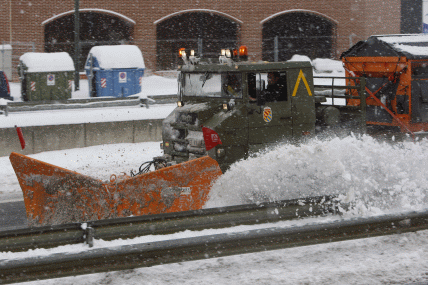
(50, 236)
(354, 88)
(203, 247)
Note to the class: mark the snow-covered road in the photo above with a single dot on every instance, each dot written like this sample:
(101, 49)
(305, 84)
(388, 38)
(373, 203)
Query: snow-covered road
(398, 259)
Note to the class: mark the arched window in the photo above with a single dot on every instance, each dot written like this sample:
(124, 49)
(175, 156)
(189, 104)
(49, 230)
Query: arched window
(95, 29)
(300, 33)
(207, 33)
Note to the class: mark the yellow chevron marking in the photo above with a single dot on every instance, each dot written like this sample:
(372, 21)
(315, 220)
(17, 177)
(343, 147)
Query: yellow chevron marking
(301, 77)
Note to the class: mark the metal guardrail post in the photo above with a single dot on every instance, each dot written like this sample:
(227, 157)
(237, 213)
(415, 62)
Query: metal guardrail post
(89, 236)
(4, 109)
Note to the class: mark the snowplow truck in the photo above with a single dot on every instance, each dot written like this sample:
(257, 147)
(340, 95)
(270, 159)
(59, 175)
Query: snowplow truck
(227, 109)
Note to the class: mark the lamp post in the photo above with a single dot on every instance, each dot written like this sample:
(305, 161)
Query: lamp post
(76, 45)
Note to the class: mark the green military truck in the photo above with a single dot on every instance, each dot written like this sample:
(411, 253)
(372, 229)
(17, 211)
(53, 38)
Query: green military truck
(235, 100)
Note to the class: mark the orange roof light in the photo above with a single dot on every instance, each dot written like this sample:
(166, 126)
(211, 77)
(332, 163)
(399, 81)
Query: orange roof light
(181, 52)
(235, 53)
(243, 51)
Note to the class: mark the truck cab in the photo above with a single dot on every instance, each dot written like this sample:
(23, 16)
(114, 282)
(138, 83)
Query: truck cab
(248, 105)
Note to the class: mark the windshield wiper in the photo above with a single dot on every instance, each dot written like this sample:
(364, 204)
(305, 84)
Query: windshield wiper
(206, 77)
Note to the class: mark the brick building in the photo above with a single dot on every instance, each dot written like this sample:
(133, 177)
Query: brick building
(271, 29)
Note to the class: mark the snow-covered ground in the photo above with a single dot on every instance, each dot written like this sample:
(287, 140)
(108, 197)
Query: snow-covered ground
(377, 177)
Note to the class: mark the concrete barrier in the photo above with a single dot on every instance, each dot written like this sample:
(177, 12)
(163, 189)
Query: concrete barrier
(96, 102)
(57, 137)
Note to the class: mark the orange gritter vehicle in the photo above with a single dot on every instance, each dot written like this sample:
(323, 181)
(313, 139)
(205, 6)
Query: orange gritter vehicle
(396, 71)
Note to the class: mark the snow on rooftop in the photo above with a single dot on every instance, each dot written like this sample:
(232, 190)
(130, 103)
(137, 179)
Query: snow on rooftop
(413, 44)
(47, 62)
(400, 39)
(414, 50)
(118, 56)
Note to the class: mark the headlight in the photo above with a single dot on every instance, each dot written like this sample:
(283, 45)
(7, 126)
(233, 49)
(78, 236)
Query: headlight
(221, 152)
(230, 105)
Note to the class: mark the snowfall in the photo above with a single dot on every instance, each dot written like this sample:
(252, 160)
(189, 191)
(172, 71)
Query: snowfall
(377, 177)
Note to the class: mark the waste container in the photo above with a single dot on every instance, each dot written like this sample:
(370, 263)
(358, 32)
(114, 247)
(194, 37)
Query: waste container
(45, 76)
(114, 71)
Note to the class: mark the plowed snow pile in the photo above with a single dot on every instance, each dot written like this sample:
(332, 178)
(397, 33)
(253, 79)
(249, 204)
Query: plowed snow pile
(374, 176)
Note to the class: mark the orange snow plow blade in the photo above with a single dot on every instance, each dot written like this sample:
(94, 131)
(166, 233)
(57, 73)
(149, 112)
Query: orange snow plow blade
(55, 195)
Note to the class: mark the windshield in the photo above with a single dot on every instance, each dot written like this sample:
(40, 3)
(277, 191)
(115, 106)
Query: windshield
(210, 84)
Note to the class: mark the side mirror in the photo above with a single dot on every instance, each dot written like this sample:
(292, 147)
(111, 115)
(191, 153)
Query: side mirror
(261, 86)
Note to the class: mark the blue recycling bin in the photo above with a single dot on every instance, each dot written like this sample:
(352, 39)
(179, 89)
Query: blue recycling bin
(114, 71)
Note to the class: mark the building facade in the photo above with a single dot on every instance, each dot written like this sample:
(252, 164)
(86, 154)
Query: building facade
(271, 29)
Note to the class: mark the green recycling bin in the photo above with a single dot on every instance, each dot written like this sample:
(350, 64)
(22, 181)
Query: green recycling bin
(46, 76)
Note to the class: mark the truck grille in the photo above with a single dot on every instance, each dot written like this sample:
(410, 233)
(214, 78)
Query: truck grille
(196, 142)
(186, 118)
(191, 141)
